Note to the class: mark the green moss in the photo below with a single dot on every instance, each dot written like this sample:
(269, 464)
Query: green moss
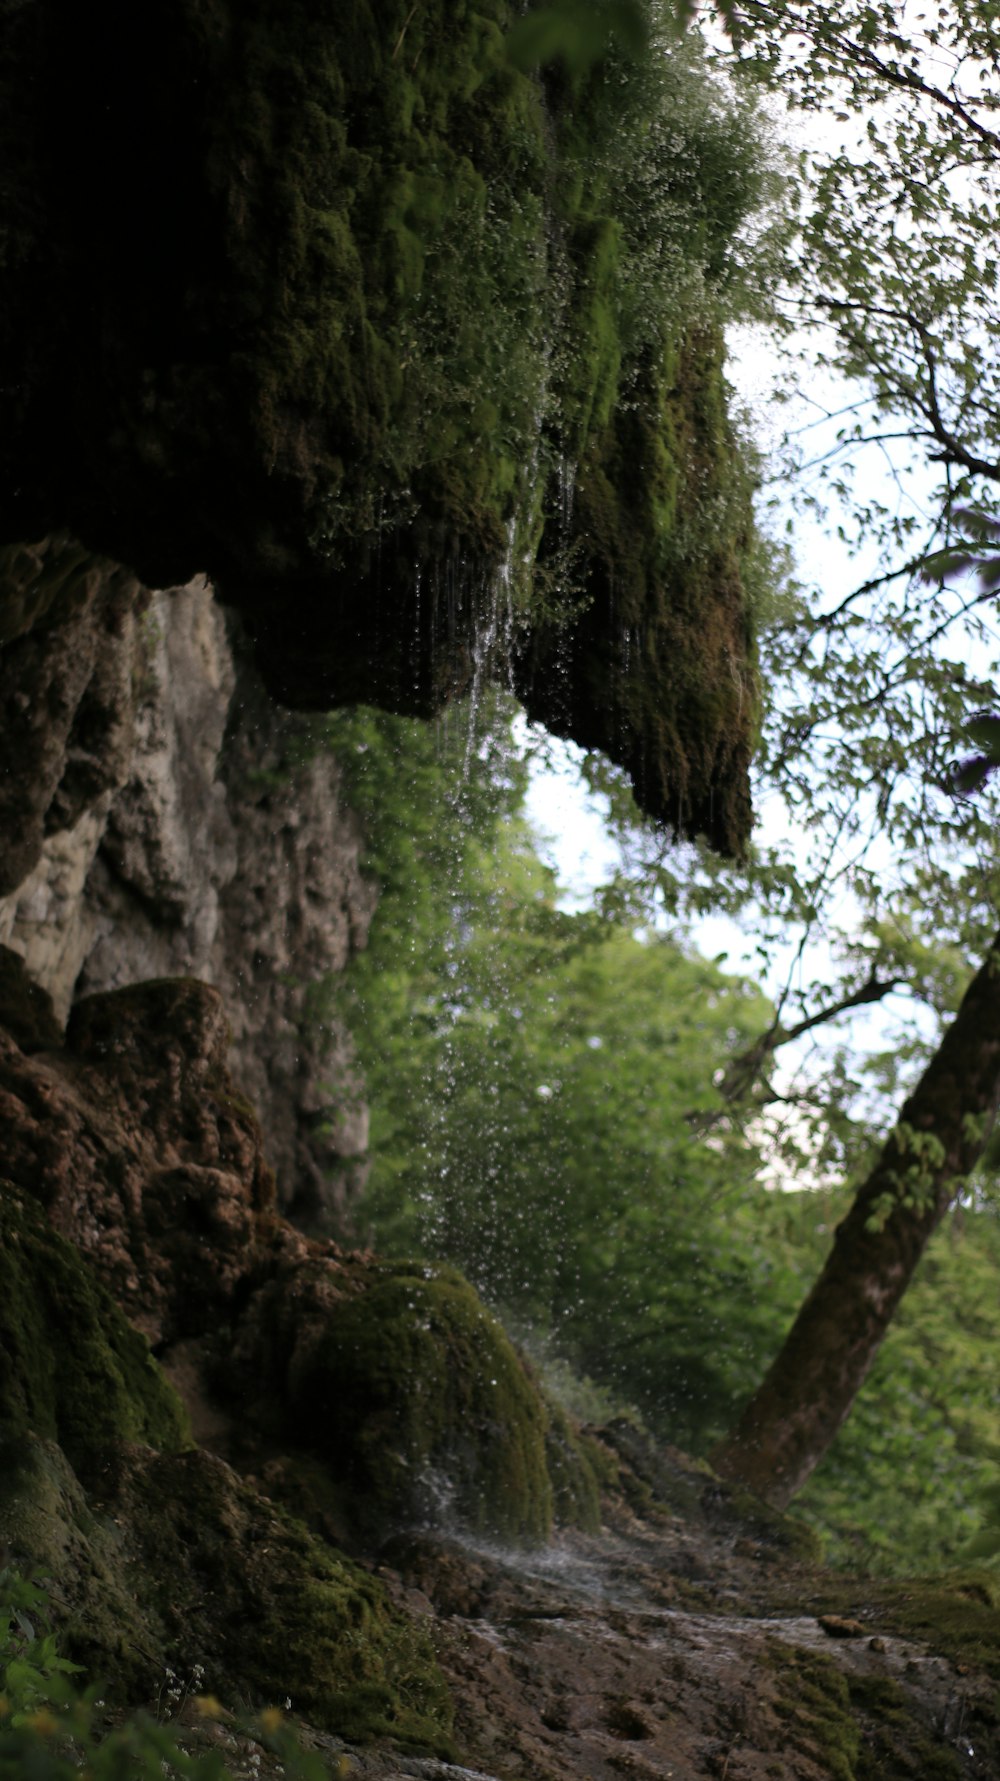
(415, 1396)
(47, 1526)
(388, 245)
(271, 1611)
(71, 1367)
(956, 1616)
(893, 1744)
(184, 1564)
(817, 1711)
(658, 668)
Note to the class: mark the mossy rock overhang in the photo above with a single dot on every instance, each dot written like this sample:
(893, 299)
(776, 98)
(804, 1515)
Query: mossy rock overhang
(275, 309)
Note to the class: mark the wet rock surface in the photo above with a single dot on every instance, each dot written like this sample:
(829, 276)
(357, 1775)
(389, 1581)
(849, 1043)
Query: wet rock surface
(683, 1645)
(674, 1648)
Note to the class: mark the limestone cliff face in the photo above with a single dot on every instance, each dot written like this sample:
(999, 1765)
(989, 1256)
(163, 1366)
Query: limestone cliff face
(173, 822)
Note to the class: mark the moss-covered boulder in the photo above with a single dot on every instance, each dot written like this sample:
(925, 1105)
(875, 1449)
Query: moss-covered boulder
(235, 1584)
(175, 1564)
(423, 1412)
(167, 1558)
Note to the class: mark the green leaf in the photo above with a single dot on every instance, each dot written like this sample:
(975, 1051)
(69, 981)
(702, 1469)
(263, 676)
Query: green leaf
(580, 33)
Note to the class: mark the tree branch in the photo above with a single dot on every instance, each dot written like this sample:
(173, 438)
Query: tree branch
(744, 1069)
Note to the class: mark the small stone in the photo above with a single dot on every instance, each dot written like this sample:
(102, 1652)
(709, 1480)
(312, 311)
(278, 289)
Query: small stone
(839, 1627)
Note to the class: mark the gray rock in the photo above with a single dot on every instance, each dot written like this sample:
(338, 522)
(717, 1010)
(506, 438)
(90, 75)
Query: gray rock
(195, 829)
(67, 699)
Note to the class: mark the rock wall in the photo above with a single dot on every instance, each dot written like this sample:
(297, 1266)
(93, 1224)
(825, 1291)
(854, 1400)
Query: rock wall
(172, 821)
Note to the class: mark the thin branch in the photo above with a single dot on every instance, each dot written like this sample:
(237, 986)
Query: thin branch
(838, 46)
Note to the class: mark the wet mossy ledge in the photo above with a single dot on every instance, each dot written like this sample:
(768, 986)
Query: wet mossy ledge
(400, 299)
(401, 1404)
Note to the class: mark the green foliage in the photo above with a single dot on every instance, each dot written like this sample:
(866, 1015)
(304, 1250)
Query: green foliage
(52, 1728)
(538, 1080)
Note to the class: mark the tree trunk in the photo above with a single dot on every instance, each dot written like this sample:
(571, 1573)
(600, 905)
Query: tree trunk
(791, 1420)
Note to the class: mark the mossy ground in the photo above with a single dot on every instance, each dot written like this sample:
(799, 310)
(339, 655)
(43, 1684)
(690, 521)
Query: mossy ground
(869, 1726)
(817, 1712)
(863, 1727)
(956, 1614)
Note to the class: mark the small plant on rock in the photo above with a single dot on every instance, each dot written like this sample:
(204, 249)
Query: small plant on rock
(53, 1729)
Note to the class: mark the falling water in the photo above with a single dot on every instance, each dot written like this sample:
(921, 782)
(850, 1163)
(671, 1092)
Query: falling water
(493, 636)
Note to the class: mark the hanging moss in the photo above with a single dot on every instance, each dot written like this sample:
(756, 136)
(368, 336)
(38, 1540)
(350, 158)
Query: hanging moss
(658, 670)
(71, 1368)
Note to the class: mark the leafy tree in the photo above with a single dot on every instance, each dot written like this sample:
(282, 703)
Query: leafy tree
(543, 1114)
(890, 318)
(906, 1483)
(539, 1081)
(898, 278)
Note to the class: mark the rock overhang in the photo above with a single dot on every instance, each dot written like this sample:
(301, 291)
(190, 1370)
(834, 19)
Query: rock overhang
(333, 313)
